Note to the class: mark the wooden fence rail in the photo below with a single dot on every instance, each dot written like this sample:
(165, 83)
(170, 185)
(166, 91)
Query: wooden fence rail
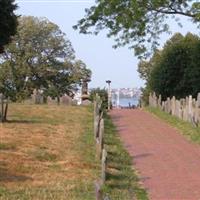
(101, 152)
(187, 109)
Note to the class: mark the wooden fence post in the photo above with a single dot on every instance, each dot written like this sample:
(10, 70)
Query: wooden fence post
(2, 107)
(99, 139)
(98, 192)
(104, 163)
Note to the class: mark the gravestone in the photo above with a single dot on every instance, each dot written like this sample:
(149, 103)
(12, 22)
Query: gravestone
(177, 108)
(66, 100)
(37, 97)
(163, 106)
(173, 105)
(198, 100)
(190, 108)
(196, 113)
(168, 105)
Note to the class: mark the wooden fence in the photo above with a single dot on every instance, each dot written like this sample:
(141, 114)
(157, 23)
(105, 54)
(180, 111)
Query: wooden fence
(101, 152)
(3, 108)
(187, 109)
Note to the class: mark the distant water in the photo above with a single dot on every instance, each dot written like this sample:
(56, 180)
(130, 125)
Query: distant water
(124, 102)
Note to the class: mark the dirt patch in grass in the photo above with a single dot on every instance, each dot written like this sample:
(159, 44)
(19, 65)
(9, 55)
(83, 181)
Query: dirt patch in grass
(47, 152)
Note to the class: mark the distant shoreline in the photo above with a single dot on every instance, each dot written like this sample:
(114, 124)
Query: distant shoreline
(124, 102)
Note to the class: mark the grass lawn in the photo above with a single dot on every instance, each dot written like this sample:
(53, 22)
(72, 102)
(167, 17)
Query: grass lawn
(122, 181)
(47, 152)
(186, 128)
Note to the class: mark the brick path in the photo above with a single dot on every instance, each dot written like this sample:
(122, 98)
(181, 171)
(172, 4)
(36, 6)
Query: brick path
(168, 164)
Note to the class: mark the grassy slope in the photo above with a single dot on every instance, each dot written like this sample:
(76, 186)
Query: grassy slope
(122, 181)
(47, 152)
(186, 128)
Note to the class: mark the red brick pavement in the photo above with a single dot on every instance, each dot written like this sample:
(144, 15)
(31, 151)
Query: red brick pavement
(168, 164)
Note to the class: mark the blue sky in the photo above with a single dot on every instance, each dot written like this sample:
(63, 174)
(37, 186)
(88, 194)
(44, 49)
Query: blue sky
(118, 65)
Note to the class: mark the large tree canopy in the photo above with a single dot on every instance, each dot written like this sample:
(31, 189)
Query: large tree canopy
(134, 22)
(8, 22)
(39, 57)
(175, 70)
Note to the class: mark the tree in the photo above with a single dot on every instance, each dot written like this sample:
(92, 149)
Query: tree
(145, 67)
(67, 79)
(134, 22)
(103, 93)
(176, 72)
(8, 22)
(39, 57)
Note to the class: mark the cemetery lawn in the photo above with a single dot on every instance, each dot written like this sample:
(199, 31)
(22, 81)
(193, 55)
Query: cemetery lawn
(186, 128)
(122, 180)
(47, 153)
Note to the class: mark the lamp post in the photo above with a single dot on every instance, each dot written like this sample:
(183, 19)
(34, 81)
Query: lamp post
(109, 94)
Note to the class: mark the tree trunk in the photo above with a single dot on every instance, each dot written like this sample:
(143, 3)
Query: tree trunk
(58, 100)
(6, 111)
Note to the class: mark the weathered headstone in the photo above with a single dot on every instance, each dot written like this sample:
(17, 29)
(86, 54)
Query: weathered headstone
(198, 100)
(66, 100)
(168, 105)
(173, 105)
(177, 108)
(155, 100)
(37, 97)
(190, 108)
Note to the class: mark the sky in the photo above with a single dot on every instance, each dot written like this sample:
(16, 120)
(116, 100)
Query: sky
(118, 65)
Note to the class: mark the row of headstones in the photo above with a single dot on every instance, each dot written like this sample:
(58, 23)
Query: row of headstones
(38, 98)
(187, 109)
(3, 108)
(101, 152)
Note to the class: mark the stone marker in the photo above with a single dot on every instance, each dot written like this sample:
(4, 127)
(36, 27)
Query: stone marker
(173, 105)
(198, 100)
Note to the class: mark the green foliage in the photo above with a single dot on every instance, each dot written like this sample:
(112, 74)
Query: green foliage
(134, 22)
(39, 57)
(103, 93)
(176, 71)
(8, 22)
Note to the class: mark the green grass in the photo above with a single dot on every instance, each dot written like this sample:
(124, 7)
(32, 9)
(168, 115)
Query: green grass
(186, 128)
(43, 155)
(48, 153)
(122, 181)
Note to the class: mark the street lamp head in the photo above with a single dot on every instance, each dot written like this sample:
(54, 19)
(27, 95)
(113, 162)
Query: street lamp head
(108, 81)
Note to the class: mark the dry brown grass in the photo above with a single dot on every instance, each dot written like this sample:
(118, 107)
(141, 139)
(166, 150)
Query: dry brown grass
(47, 152)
